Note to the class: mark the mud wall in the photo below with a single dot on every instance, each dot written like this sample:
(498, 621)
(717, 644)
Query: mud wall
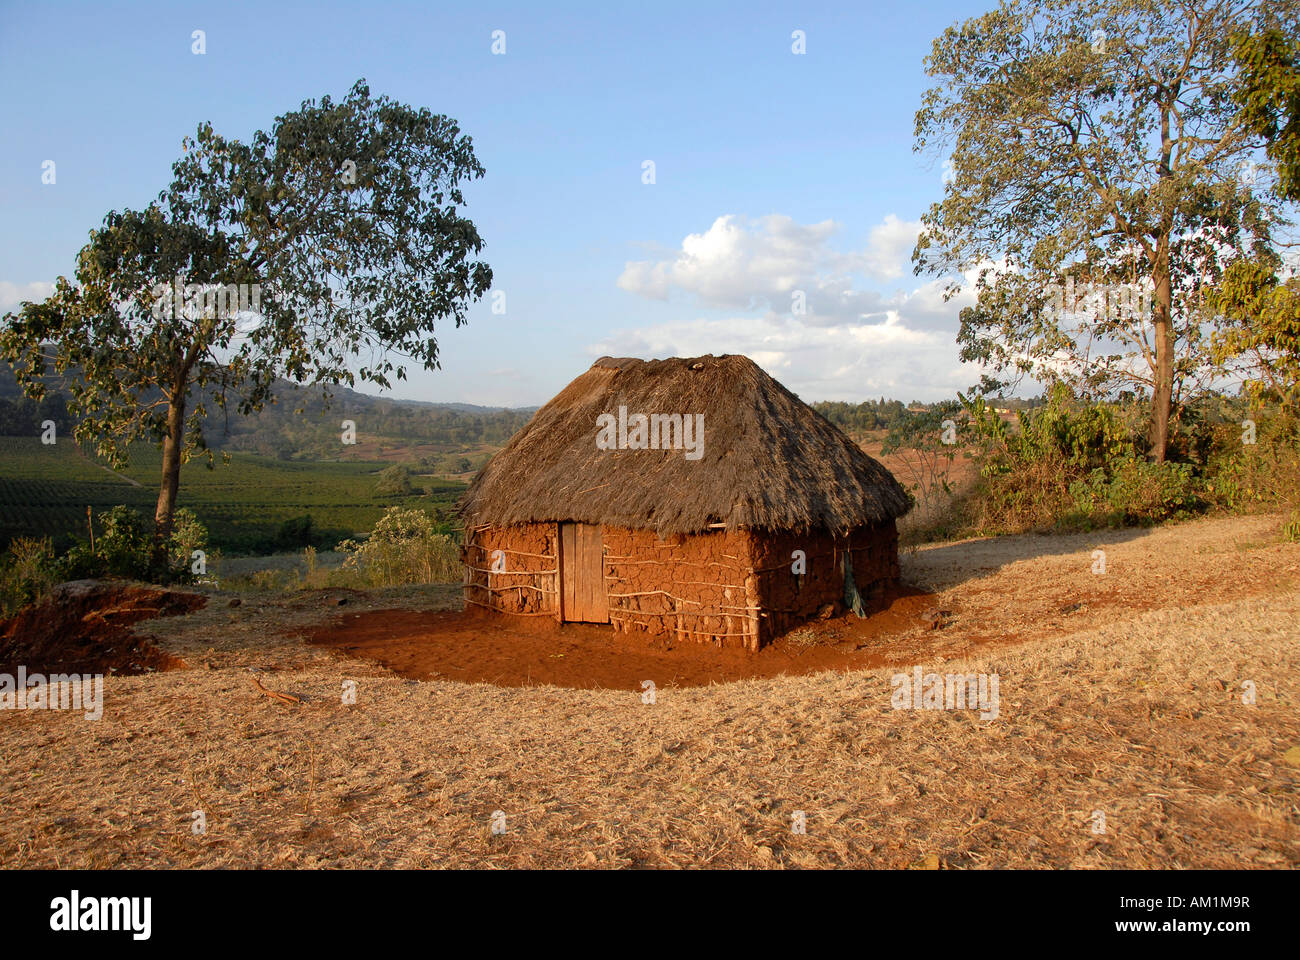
(733, 589)
(690, 588)
(522, 578)
(789, 597)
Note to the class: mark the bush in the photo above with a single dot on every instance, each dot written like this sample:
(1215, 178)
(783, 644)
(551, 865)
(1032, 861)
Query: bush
(27, 571)
(294, 534)
(394, 481)
(404, 548)
(1291, 529)
(1242, 476)
(1135, 492)
(1073, 465)
(124, 548)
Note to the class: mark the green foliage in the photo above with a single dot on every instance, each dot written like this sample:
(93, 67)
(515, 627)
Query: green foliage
(1074, 465)
(1269, 95)
(863, 417)
(294, 533)
(1134, 492)
(1071, 465)
(124, 548)
(1064, 431)
(394, 481)
(404, 548)
(1291, 529)
(1264, 475)
(1262, 329)
(27, 571)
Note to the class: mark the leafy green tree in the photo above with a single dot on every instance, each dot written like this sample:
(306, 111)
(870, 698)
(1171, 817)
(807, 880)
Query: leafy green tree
(1262, 311)
(1094, 144)
(394, 481)
(1261, 337)
(294, 533)
(1268, 93)
(344, 223)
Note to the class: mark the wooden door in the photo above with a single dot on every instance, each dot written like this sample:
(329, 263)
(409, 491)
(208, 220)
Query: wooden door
(582, 573)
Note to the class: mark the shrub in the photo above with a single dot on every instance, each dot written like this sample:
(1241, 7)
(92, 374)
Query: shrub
(394, 481)
(1075, 465)
(403, 548)
(124, 548)
(189, 536)
(1291, 529)
(294, 533)
(1135, 492)
(27, 571)
(1252, 476)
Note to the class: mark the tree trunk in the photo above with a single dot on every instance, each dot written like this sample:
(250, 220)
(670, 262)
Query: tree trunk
(1162, 392)
(173, 444)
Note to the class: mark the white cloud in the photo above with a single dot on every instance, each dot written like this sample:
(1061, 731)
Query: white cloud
(739, 264)
(13, 294)
(890, 248)
(855, 342)
(839, 362)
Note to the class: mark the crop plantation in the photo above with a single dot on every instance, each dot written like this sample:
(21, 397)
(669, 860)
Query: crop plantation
(45, 489)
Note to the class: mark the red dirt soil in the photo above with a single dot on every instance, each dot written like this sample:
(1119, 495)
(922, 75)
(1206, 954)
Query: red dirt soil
(85, 627)
(478, 647)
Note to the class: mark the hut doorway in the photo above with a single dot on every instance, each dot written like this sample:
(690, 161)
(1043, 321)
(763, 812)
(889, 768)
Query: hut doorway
(582, 573)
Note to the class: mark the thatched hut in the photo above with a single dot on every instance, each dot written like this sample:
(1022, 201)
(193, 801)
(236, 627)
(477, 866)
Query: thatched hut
(695, 499)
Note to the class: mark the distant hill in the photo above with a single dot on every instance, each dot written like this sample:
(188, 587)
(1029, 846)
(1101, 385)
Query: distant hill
(299, 425)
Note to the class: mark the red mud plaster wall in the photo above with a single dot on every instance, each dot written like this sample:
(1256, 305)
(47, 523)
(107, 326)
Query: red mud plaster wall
(689, 588)
(529, 583)
(788, 600)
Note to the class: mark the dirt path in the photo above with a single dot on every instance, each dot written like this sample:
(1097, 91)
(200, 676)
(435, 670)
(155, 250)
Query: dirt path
(106, 468)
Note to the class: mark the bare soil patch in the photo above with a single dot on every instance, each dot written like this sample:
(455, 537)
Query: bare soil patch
(473, 647)
(967, 598)
(85, 627)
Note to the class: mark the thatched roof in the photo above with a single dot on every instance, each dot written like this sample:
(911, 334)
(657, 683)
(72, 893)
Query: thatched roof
(768, 460)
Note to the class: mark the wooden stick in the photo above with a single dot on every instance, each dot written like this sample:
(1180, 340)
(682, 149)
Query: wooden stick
(704, 636)
(511, 586)
(682, 561)
(507, 573)
(518, 553)
(510, 613)
(282, 697)
(686, 583)
(713, 612)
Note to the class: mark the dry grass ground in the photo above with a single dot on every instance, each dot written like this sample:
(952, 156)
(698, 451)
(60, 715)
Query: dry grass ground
(1120, 693)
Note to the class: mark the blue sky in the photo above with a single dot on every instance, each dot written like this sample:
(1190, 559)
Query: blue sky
(773, 171)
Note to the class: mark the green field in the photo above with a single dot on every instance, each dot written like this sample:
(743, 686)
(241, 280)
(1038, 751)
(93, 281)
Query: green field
(44, 491)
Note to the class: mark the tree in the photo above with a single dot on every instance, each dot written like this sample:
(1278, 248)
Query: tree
(1268, 94)
(1095, 148)
(1261, 335)
(394, 481)
(1261, 311)
(334, 237)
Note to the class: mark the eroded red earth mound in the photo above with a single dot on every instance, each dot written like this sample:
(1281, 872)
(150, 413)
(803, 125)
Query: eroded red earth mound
(85, 627)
